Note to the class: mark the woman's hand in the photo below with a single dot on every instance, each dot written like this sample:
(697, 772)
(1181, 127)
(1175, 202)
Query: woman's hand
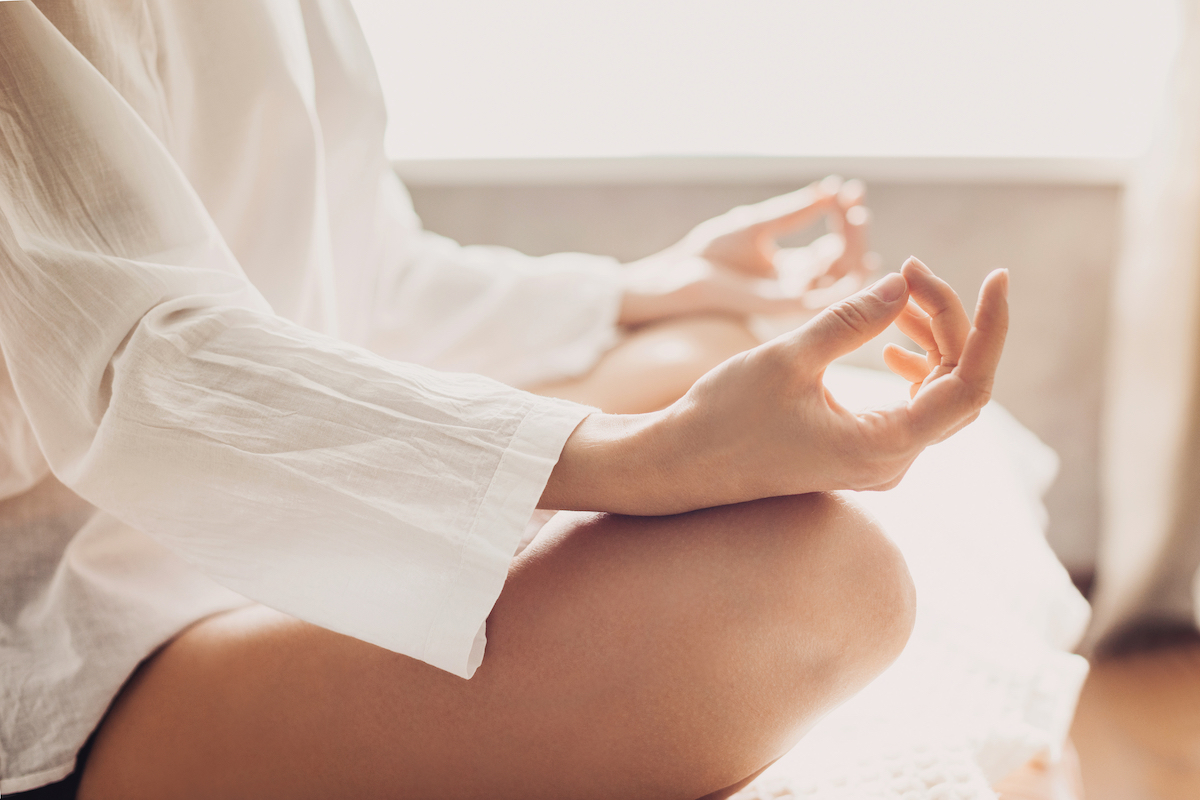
(732, 263)
(763, 424)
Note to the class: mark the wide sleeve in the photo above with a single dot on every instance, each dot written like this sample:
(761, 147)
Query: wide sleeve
(482, 309)
(378, 499)
(492, 310)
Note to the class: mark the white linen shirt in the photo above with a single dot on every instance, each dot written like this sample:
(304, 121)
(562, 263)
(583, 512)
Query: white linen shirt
(210, 282)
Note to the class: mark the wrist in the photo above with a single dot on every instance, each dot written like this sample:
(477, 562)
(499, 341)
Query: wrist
(614, 463)
(652, 289)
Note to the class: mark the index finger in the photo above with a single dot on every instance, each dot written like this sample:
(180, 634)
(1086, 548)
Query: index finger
(947, 318)
(946, 403)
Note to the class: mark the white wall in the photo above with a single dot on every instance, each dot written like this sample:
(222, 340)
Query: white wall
(537, 78)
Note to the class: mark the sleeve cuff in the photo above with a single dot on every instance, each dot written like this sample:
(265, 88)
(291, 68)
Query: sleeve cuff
(458, 636)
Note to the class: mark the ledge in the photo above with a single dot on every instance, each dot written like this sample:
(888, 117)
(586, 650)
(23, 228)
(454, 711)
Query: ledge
(760, 169)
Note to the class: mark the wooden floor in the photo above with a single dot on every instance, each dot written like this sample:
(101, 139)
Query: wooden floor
(1137, 728)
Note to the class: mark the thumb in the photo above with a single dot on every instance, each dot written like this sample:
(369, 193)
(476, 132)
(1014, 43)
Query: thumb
(847, 325)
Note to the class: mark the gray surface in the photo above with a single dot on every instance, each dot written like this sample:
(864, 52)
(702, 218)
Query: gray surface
(1059, 242)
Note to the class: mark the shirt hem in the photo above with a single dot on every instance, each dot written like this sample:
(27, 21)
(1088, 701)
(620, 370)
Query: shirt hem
(26, 783)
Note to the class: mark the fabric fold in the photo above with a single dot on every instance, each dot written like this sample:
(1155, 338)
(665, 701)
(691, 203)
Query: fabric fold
(208, 273)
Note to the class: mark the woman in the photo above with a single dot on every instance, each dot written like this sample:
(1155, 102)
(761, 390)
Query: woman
(229, 460)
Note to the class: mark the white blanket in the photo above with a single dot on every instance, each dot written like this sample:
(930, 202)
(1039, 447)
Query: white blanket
(987, 680)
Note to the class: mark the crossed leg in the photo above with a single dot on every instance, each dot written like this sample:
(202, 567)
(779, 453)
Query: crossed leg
(627, 657)
(668, 657)
(656, 364)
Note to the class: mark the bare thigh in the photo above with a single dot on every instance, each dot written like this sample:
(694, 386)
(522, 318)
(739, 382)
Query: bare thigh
(627, 658)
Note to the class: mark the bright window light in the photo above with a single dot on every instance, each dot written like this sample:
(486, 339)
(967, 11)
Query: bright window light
(597, 78)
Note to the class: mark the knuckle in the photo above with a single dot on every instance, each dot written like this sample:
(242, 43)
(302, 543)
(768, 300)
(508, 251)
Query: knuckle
(851, 315)
(872, 474)
(980, 394)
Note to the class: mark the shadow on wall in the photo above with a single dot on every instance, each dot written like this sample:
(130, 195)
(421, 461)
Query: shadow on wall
(1059, 242)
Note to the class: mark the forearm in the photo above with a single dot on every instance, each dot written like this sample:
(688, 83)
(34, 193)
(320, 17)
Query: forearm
(615, 462)
(591, 470)
(644, 464)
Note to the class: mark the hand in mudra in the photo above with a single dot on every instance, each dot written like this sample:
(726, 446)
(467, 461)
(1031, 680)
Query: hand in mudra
(774, 404)
(732, 263)
(763, 424)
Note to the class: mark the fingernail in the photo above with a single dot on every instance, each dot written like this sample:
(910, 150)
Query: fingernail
(890, 287)
(919, 264)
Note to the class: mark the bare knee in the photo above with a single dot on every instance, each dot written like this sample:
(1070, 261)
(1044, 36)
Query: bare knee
(862, 604)
(832, 597)
(743, 624)
(817, 602)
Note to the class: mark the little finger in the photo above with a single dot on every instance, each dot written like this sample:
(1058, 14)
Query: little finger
(981, 353)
